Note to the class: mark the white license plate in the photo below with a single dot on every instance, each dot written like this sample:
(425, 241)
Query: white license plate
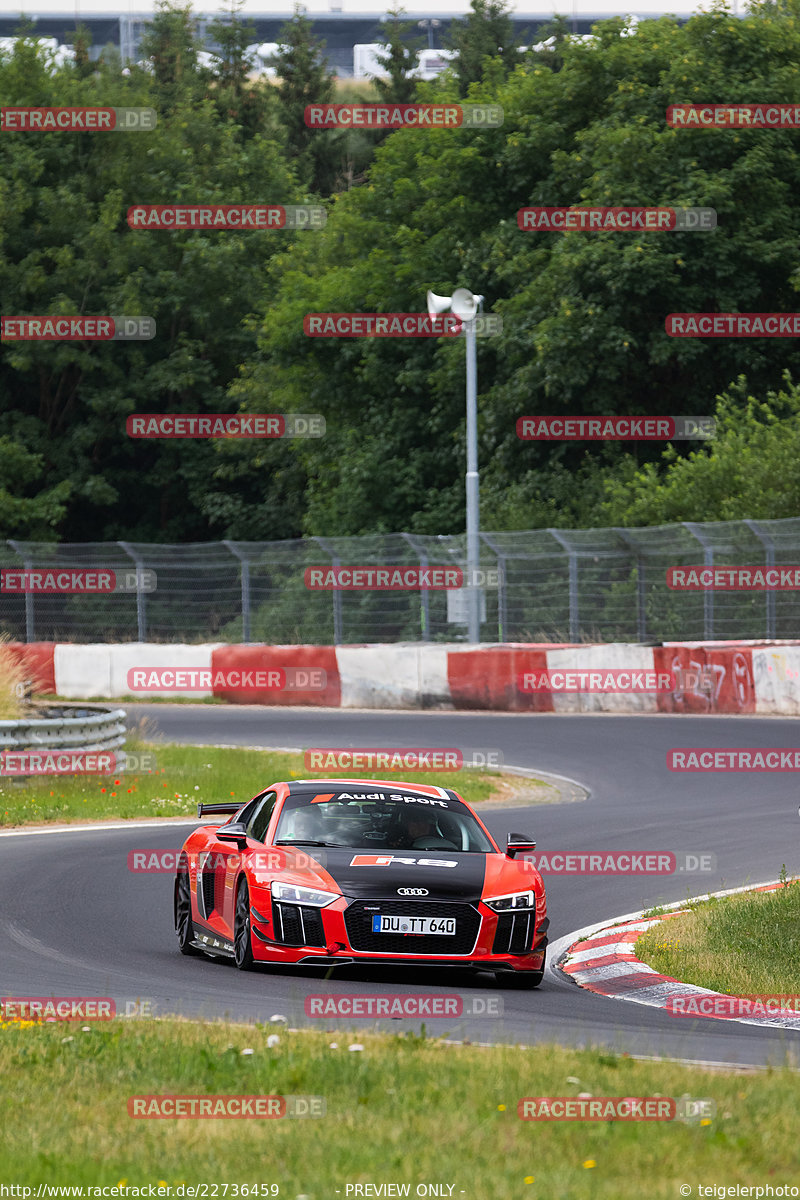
(424, 925)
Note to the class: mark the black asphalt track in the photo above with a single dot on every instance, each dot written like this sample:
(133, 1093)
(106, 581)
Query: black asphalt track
(75, 921)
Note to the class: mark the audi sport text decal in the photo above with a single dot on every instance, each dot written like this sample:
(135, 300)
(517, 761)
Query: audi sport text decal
(391, 796)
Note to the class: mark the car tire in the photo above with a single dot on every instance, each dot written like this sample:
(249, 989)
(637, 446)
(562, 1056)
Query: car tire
(184, 926)
(242, 934)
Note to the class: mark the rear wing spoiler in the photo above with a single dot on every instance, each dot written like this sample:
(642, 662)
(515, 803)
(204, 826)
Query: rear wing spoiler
(228, 809)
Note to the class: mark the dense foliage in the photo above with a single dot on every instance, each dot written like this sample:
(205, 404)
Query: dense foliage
(583, 312)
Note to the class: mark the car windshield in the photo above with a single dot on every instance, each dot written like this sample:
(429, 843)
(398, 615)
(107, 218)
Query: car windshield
(380, 821)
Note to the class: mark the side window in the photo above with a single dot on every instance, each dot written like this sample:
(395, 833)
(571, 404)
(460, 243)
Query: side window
(257, 825)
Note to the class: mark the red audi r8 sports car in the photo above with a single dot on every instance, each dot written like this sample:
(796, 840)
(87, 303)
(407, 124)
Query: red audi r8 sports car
(334, 871)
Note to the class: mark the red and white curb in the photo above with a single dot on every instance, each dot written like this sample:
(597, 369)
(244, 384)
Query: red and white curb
(601, 958)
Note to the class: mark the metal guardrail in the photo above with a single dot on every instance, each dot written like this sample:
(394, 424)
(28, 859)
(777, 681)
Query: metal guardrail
(104, 731)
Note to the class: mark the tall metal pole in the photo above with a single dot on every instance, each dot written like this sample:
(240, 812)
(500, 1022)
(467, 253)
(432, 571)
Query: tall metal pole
(473, 492)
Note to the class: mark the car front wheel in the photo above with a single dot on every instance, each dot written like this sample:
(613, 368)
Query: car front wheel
(242, 937)
(183, 914)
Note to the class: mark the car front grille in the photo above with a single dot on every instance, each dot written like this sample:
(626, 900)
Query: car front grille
(297, 925)
(358, 922)
(514, 932)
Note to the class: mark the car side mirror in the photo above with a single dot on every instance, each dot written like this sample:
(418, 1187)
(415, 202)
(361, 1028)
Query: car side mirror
(518, 843)
(234, 831)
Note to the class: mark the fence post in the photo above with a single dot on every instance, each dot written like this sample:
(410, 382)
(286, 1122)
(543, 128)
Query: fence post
(769, 561)
(574, 622)
(641, 596)
(502, 612)
(424, 598)
(708, 594)
(141, 611)
(337, 595)
(244, 565)
(30, 630)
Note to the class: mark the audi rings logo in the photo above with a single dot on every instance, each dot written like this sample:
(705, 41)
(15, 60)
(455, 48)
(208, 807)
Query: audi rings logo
(412, 891)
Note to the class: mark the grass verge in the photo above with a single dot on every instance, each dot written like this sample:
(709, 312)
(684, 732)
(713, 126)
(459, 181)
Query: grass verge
(745, 944)
(401, 1110)
(186, 775)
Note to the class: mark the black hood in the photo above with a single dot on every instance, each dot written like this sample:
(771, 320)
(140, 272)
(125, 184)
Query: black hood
(361, 879)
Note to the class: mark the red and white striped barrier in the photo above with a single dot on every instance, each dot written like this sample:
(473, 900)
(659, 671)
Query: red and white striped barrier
(714, 677)
(605, 962)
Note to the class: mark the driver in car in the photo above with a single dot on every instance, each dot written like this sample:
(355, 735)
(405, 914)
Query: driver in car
(419, 825)
(305, 826)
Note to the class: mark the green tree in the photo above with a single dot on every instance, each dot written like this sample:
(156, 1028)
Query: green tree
(749, 469)
(235, 94)
(399, 59)
(81, 41)
(487, 32)
(556, 31)
(172, 44)
(305, 79)
(31, 506)
(65, 247)
(583, 313)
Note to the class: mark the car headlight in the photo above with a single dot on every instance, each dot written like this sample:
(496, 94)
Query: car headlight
(512, 902)
(290, 894)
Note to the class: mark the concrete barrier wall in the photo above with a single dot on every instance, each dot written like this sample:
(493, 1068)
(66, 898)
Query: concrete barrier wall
(710, 679)
(734, 677)
(489, 676)
(776, 679)
(619, 656)
(307, 667)
(38, 662)
(394, 676)
(102, 670)
(82, 672)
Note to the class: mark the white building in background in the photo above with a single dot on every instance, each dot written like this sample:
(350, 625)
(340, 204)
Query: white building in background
(366, 64)
(521, 10)
(344, 25)
(365, 61)
(263, 54)
(433, 62)
(56, 51)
